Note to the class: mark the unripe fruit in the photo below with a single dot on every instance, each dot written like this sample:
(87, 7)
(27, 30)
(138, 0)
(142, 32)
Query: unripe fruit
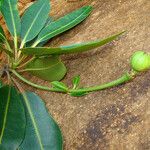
(140, 61)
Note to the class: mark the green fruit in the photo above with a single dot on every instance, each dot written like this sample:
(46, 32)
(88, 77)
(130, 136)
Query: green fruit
(140, 61)
(47, 68)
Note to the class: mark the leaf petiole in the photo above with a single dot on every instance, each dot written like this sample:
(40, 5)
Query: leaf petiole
(21, 60)
(33, 84)
(8, 46)
(16, 46)
(80, 92)
(27, 62)
(125, 78)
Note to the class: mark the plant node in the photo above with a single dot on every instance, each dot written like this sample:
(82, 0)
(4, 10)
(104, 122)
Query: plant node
(4, 70)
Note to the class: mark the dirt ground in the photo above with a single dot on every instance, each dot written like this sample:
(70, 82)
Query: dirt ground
(116, 118)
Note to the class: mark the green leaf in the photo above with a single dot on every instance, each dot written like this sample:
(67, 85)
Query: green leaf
(49, 21)
(47, 68)
(33, 20)
(75, 48)
(76, 81)
(11, 15)
(1, 84)
(1, 30)
(30, 43)
(59, 85)
(40, 51)
(42, 132)
(2, 35)
(63, 24)
(2, 38)
(1, 2)
(4, 45)
(12, 119)
(3, 41)
(6, 50)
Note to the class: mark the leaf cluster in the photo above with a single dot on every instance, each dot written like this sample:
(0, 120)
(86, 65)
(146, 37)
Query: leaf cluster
(25, 122)
(33, 30)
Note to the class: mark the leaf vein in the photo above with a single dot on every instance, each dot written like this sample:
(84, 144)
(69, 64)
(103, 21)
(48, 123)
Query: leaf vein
(33, 23)
(33, 121)
(5, 116)
(12, 17)
(62, 26)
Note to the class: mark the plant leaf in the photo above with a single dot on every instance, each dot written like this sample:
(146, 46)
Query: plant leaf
(75, 48)
(12, 122)
(59, 85)
(2, 38)
(1, 84)
(76, 81)
(1, 30)
(42, 132)
(11, 15)
(1, 2)
(49, 21)
(6, 50)
(32, 24)
(63, 24)
(30, 43)
(47, 68)
(2, 35)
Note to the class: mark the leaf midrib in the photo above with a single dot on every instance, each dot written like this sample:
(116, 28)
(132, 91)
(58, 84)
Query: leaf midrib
(3, 37)
(40, 69)
(63, 26)
(33, 23)
(5, 116)
(12, 17)
(33, 120)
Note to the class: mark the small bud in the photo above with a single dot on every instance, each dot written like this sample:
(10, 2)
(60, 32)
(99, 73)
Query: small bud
(140, 61)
